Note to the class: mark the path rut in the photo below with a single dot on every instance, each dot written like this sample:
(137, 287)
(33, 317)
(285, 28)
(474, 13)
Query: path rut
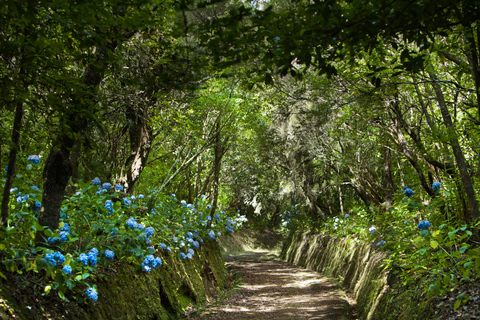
(273, 289)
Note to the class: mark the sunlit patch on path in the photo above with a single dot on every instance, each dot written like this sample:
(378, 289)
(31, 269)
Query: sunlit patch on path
(273, 289)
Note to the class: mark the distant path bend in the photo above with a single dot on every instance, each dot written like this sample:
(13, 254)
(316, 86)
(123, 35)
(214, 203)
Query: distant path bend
(273, 289)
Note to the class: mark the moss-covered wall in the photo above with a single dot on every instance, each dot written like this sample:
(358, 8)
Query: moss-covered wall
(124, 291)
(379, 295)
(356, 264)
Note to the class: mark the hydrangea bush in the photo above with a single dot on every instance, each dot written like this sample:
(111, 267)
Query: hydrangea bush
(421, 247)
(99, 225)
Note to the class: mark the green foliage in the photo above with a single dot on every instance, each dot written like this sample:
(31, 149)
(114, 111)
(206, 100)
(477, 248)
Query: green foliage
(98, 219)
(437, 259)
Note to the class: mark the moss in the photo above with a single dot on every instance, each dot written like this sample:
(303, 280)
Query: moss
(126, 292)
(358, 266)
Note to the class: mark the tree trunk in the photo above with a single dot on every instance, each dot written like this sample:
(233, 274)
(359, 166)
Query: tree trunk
(387, 178)
(141, 139)
(58, 168)
(467, 183)
(17, 124)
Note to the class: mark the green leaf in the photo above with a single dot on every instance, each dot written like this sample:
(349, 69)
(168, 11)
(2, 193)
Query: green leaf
(85, 275)
(48, 233)
(446, 279)
(457, 304)
(47, 289)
(424, 233)
(433, 244)
(151, 250)
(62, 295)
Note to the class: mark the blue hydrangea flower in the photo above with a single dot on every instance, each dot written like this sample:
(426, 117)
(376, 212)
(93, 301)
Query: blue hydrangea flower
(96, 181)
(182, 256)
(151, 263)
(34, 159)
(107, 186)
(109, 254)
(92, 294)
(67, 269)
(423, 225)
(93, 251)
(35, 188)
(59, 258)
(109, 206)
(149, 231)
(63, 236)
(195, 244)
(140, 226)
(189, 255)
(436, 186)
(173, 195)
(189, 234)
(217, 217)
(408, 192)
(372, 229)
(347, 215)
(38, 204)
(191, 251)
(65, 227)
(209, 207)
(127, 202)
(119, 187)
(140, 196)
(163, 245)
(209, 218)
(132, 223)
(49, 257)
(381, 244)
(13, 190)
(92, 259)
(211, 234)
(83, 259)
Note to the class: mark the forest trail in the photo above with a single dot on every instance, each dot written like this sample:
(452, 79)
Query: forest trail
(273, 289)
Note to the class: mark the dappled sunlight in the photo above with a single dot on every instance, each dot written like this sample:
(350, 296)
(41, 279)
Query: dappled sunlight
(274, 289)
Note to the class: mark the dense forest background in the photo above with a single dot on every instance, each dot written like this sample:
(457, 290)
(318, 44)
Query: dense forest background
(293, 113)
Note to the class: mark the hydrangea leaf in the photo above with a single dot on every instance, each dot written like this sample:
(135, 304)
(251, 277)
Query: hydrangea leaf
(424, 233)
(62, 295)
(151, 250)
(47, 289)
(48, 233)
(433, 244)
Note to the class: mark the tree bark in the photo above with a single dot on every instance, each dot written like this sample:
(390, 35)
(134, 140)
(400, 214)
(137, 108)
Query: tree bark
(141, 139)
(17, 124)
(467, 183)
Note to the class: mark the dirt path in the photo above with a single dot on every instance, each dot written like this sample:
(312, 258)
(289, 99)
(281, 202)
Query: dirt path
(273, 289)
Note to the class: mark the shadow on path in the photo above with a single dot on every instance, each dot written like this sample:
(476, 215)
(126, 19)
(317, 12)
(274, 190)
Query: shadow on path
(273, 289)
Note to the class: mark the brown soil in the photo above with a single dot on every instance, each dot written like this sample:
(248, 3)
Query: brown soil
(273, 289)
